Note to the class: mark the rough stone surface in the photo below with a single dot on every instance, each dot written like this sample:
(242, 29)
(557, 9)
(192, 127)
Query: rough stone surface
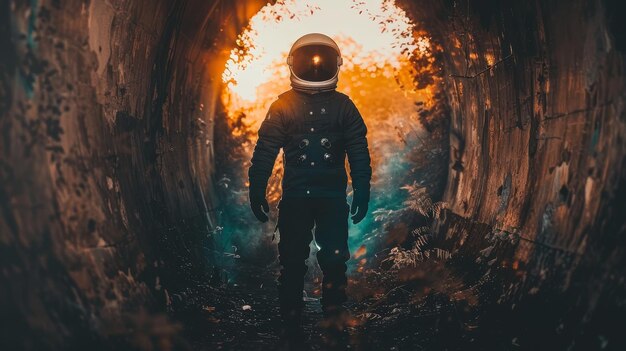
(537, 165)
(105, 160)
(107, 110)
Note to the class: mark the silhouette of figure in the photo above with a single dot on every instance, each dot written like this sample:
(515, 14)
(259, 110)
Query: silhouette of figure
(316, 127)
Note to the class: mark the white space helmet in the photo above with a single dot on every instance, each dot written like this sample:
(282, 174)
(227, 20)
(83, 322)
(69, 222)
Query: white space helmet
(314, 62)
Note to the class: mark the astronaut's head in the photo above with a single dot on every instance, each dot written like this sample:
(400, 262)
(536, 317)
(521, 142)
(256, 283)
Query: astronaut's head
(314, 62)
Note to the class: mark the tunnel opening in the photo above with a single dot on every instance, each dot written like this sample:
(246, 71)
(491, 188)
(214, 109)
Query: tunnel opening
(122, 195)
(390, 70)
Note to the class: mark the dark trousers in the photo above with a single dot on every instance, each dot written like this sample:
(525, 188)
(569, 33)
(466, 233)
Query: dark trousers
(296, 219)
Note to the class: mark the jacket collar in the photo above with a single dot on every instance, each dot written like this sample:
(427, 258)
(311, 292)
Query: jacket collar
(308, 97)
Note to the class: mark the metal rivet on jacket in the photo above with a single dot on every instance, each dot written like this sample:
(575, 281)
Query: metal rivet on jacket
(328, 158)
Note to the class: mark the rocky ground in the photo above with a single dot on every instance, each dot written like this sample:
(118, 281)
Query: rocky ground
(244, 316)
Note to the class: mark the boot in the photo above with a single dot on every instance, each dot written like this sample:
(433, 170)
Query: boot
(335, 311)
(334, 331)
(292, 333)
(336, 318)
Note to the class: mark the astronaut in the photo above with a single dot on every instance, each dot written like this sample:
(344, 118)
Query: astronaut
(316, 127)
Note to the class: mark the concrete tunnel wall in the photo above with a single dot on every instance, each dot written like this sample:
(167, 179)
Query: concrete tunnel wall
(538, 160)
(106, 155)
(106, 169)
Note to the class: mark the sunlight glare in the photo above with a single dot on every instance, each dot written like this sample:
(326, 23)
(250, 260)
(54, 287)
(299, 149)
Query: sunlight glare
(378, 43)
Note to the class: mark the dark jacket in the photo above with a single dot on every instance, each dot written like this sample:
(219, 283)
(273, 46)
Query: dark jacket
(316, 133)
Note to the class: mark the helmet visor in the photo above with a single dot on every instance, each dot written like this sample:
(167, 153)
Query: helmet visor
(315, 63)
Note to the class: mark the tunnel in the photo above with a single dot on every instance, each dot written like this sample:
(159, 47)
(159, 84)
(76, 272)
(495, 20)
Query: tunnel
(498, 197)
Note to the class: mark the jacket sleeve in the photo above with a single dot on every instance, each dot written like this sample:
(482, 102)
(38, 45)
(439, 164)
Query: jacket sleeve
(272, 137)
(355, 140)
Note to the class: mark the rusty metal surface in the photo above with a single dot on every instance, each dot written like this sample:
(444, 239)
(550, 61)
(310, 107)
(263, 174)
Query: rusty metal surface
(105, 160)
(107, 109)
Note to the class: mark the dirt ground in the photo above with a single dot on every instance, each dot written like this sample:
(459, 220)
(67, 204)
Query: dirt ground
(244, 316)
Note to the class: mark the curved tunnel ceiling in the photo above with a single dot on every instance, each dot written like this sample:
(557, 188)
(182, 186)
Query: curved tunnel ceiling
(110, 114)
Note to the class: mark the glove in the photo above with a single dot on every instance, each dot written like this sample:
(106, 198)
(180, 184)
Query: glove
(359, 205)
(259, 205)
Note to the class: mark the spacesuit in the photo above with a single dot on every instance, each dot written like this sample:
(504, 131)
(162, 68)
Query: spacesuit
(316, 127)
